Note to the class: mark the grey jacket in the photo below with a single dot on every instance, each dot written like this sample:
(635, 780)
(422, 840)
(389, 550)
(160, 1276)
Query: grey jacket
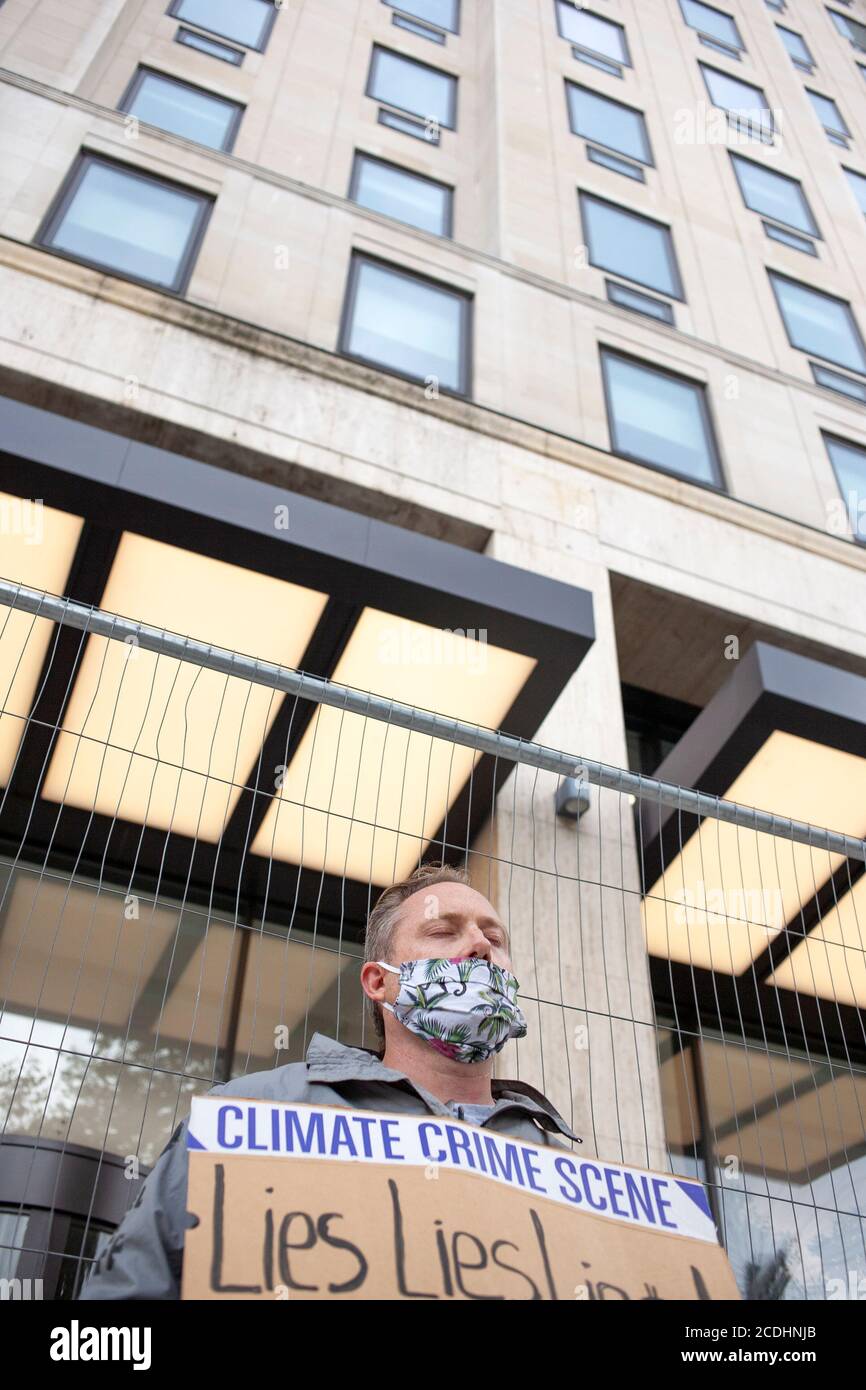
(144, 1257)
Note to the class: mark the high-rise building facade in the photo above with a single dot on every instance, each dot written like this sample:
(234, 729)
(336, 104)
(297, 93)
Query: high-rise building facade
(329, 326)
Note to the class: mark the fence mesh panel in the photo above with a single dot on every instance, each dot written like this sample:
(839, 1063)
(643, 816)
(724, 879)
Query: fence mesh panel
(178, 906)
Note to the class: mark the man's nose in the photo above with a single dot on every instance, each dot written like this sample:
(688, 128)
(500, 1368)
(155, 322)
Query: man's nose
(479, 945)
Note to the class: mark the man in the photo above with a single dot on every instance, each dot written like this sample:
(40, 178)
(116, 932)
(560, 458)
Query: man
(442, 1001)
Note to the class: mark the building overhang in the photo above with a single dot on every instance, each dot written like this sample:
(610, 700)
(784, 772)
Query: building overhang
(326, 590)
(748, 925)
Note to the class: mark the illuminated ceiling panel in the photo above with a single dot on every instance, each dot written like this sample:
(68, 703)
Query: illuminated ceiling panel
(362, 798)
(37, 546)
(785, 735)
(831, 961)
(732, 890)
(152, 740)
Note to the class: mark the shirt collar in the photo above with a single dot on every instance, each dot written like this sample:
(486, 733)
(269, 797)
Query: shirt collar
(329, 1060)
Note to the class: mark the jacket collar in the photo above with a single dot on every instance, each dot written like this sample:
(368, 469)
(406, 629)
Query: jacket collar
(329, 1060)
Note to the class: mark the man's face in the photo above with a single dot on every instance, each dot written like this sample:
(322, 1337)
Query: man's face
(449, 919)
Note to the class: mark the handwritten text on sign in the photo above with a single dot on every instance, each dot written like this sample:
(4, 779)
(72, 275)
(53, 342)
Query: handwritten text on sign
(305, 1202)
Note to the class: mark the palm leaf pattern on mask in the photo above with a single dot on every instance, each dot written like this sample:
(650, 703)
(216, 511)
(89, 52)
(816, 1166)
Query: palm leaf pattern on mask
(451, 1040)
(437, 967)
(422, 998)
(500, 1016)
(457, 1034)
(465, 970)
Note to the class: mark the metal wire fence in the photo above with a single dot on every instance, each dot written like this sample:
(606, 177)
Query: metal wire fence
(175, 912)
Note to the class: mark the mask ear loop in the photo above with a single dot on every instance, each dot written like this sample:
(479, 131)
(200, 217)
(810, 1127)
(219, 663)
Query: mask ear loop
(385, 966)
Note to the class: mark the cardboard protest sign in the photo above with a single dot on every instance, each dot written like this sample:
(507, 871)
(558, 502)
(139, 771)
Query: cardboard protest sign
(310, 1202)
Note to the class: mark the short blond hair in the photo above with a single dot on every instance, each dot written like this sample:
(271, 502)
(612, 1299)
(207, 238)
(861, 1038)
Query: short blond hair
(383, 920)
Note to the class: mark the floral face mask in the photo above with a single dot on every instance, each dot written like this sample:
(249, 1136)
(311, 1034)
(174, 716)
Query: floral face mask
(465, 1009)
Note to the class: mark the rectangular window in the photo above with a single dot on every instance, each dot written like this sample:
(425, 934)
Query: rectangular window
(792, 239)
(615, 164)
(409, 324)
(248, 22)
(190, 39)
(183, 109)
(713, 24)
(416, 26)
(128, 222)
(775, 5)
(742, 101)
(849, 465)
(641, 303)
(628, 244)
(593, 37)
(659, 418)
(411, 198)
(609, 123)
(858, 187)
(445, 14)
(410, 125)
(414, 87)
(819, 323)
(797, 47)
(835, 381)
(850, 29)
(830, 117)
(774, 195)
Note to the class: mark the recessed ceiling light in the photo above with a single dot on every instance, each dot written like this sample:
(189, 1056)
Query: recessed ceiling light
(363, 798)
(150, 739)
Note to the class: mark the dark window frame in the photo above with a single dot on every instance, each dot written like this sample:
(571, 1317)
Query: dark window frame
(618, 294)
(775, 275)
(584, 194)
(465, 334)
(405, 124)
(795, 241)
(65, 197)
(760, 212)
(418, 28)
(655, 719)
(451, 123)
(648, 163)
(831, 130)
(360, 156)
(858, 47)
(719, 484)
(403, 8)
(625, 62)
(735, 115)
(136, 82)
(805, 65)
(174, 11)
(830, 437)
(741, 48)
(233, 56)
(606, 159)
(821, 372)
(857, 174)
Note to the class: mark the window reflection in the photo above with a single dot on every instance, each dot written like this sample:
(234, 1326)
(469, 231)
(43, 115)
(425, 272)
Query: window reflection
(119, 1009)
(782, 1137)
